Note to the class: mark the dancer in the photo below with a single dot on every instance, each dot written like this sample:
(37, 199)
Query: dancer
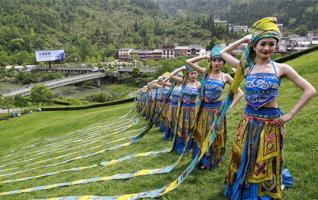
(173, 107)
(186, 116)
(256, 167)
(212, 86)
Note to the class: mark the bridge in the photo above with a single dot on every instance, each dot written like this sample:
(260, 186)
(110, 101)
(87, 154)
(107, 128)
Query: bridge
(76, 75)
(85, 70)
(65, 70)
(25, 91)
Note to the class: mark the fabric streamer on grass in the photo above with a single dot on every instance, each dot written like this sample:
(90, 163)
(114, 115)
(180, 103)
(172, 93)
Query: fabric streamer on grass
(58, 151)
(148, 194)
(66, 146)
(69, 135)
(51, 147)
(84, 142)
(77, 133)
(103, 163)
(75, 158)
(143, 172)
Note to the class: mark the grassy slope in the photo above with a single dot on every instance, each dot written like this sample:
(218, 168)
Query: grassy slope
(301, 148)
(116, 91)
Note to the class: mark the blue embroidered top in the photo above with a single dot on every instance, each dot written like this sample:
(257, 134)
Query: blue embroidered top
(190, 95)
(176, 93)
(166, 92)
(261, 88)
(213, 89)
(153, 93)
(157, 94)
(145, 95)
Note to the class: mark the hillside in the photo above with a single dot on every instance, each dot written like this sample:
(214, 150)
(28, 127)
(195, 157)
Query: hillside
(40, 129)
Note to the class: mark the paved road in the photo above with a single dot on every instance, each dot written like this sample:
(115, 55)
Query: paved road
(6, 110)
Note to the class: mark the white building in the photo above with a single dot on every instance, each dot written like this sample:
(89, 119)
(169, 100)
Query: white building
(243, 29)
(313, 37)
(195, 50)
(168, 51)
(124, 54)
(314, 40)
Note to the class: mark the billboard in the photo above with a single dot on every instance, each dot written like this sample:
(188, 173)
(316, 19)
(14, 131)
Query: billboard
(51, 55)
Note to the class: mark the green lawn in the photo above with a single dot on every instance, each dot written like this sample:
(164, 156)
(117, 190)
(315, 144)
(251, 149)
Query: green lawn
(117, 91)
(301, 147)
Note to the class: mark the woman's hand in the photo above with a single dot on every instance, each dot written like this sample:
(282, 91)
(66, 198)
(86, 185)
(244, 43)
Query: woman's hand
(247, 38)
(282, 120)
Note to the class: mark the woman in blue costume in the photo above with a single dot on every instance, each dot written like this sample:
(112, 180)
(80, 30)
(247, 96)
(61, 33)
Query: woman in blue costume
(158, 100)
(147, 99)
(141, 97)
(151, 101)
(186, 116)
(212, 86)
(171, 118)
(162, 86)
(165, 91)
(256, 167)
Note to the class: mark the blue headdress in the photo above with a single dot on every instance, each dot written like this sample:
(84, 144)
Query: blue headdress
(216, 50)
(189, 68)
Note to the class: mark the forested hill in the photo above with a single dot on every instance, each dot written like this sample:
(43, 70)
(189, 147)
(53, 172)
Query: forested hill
(297, 15)
(95, 29)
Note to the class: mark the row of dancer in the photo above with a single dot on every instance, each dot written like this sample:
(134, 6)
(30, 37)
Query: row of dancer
(256, 166)
(191, 106)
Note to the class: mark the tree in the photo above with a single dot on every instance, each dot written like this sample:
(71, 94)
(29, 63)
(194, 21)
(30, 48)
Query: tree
(16, 44)
(6, 102)
(110, 51)
(72, 54)
(4, 58)
(25, 78)
(135, 72)
(40, 94)
(85, 48)
(21, 101)
(22, 57)
(181, 17)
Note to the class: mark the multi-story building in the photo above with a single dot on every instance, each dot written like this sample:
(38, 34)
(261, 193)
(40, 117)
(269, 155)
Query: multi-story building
(195, 50)
(313, 37)
(168, 51)
(242, 29)
(124, 54)
(181, 51)
(157, 54)
(145, 54)
(150, 54)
